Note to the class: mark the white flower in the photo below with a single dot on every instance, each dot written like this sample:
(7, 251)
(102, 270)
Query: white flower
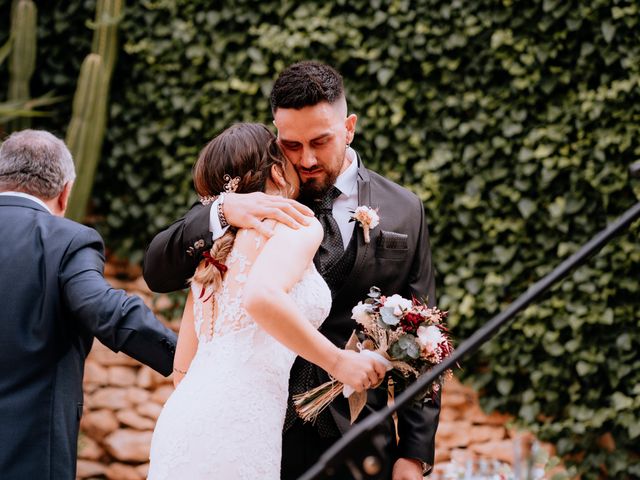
(398, 304)
(368, 218)
(360, 313)
(430, 337)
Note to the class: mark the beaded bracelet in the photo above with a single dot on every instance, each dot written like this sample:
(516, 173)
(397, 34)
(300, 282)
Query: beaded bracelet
(221, 217)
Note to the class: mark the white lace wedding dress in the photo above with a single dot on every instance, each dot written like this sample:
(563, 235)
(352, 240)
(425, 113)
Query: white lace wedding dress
(224, 421)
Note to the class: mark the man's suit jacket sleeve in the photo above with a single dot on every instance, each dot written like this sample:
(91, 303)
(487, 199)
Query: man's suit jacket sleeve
(174, 254)
(121, 322)
(422, 282)
(417, 425)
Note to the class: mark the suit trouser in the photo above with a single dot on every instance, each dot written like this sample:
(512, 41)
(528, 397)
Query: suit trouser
(302, 446)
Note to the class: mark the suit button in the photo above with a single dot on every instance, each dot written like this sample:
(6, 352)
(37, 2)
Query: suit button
(199, 244)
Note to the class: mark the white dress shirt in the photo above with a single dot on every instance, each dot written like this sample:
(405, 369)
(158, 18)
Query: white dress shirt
(347, 202)
(343, 206)
(27, 196)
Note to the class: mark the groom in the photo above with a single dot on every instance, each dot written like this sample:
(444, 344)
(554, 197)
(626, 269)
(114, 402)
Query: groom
(315, 133)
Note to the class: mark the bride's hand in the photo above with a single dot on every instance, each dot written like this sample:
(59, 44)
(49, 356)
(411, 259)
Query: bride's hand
(358, 371)
(247, 210)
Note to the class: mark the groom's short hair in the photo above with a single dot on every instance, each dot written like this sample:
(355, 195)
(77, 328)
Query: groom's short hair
(305, 84)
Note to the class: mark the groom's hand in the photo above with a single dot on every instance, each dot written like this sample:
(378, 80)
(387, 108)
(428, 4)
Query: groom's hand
(407, 469)
(247, 210)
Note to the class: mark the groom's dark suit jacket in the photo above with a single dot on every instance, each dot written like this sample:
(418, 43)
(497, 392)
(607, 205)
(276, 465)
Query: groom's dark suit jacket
(397, 260)
(54, 300)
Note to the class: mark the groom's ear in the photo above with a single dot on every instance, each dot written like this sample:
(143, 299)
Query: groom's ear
(350, 124)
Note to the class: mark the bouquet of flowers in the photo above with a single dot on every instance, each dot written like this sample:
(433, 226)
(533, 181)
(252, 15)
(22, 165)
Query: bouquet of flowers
(410, 336)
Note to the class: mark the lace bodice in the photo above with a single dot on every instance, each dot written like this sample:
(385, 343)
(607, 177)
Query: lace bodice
(220, 313)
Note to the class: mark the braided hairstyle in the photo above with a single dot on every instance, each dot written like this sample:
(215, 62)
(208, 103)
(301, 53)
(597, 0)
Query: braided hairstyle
(244, 150)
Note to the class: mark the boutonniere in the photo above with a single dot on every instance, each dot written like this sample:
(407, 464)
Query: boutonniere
(368, 219)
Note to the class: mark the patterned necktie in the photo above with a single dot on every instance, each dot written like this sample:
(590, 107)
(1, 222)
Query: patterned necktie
(331, 249)
(328, 255)
(303, 375)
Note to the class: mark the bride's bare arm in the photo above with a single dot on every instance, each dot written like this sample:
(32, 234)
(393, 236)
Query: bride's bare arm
(282, 262)
(187, 343)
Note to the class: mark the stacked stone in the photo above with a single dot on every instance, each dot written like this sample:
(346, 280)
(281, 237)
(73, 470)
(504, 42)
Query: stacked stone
(122, 401)
(467, 433)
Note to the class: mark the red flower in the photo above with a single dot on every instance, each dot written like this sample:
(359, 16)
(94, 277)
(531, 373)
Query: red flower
(410, 322)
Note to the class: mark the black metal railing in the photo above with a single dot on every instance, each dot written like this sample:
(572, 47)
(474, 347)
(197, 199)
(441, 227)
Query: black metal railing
(361, 448)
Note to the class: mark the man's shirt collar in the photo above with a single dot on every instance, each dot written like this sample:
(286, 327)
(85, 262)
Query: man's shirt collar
(28, 197)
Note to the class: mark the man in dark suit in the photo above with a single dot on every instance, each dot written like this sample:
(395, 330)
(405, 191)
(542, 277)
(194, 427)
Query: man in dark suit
(54, 301)
(315, 132)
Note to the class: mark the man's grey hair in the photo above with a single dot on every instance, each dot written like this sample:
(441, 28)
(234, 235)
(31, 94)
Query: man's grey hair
(35, 162)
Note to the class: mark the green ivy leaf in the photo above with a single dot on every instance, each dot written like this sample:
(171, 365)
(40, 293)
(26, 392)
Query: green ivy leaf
(621, 401)
(608, 31)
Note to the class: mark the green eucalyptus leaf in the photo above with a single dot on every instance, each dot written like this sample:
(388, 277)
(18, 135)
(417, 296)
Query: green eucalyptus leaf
(387, 316)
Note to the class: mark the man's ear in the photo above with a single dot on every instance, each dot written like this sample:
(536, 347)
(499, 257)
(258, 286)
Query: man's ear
(63, 199)
(350, 125)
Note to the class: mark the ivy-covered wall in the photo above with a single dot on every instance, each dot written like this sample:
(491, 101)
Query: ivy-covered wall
(515, 122)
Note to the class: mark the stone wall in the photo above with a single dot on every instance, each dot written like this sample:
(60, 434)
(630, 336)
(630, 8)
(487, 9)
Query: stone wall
(467, 433)
(123, 399)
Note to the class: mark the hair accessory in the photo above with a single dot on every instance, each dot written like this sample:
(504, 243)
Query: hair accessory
(209, 260)
(207, 200)
(231, 184)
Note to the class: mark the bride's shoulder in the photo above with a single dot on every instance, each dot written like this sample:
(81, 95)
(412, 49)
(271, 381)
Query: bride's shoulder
(311, 232)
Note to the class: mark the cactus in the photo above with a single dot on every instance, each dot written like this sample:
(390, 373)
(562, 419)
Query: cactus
(86, 130)
(22, 59)
(82, 135)
(20, 49)
(105, 40)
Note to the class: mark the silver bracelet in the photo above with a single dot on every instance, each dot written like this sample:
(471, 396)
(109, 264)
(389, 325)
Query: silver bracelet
(221, 217)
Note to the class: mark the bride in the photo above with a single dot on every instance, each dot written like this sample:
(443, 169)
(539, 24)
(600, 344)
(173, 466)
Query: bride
(254, 303)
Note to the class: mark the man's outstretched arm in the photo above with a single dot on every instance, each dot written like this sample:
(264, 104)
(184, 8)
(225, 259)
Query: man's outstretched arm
(121, 322)
(174, 253)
